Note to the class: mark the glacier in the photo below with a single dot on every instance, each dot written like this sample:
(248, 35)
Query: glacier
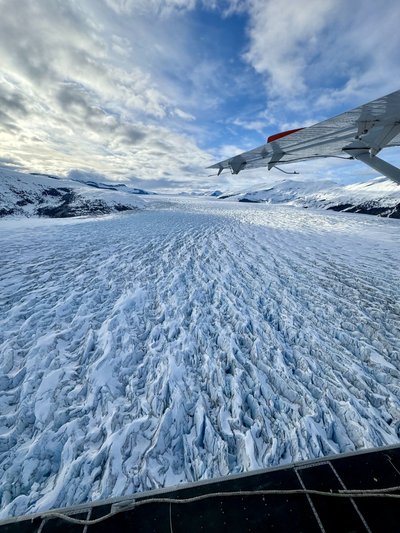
(188, 340)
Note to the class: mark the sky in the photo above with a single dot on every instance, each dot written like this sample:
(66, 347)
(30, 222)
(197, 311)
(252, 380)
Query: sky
(154, 91)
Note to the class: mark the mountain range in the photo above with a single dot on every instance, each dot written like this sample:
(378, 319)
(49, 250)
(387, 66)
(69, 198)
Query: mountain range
(379, 196)
(50, 196)
(43, 195)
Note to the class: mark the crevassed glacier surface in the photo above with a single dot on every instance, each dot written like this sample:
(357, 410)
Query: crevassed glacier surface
(191, 340)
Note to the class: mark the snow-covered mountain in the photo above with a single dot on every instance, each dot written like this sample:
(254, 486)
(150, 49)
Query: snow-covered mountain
(49, 196)
(215, 193)
(113, 186)
(379, 196)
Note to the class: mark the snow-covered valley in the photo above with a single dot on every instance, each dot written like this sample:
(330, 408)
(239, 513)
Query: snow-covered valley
(189, 340)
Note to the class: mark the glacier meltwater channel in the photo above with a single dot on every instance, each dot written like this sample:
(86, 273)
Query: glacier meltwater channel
(190, 340)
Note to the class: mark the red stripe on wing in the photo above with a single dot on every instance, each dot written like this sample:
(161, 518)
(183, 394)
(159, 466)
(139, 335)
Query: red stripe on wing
(282, 134)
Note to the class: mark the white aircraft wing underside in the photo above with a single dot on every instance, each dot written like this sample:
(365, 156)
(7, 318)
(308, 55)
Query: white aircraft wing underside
(365, 129)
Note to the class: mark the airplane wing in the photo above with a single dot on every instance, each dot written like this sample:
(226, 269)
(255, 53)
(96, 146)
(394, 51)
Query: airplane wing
(357, 134)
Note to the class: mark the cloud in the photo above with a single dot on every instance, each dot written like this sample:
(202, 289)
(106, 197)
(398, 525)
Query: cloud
(317, 59)
(284, 39)
(77, 91)
(11, 163)
(320, 55)
(13, 103)
(183, 114)
(155, 7)
(82, 175)
(147, 87)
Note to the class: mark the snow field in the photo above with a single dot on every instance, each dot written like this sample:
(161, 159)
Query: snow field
(192, 340)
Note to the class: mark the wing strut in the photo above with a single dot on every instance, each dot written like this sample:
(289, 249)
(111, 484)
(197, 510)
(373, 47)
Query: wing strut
(383, 167)
(370, 142)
